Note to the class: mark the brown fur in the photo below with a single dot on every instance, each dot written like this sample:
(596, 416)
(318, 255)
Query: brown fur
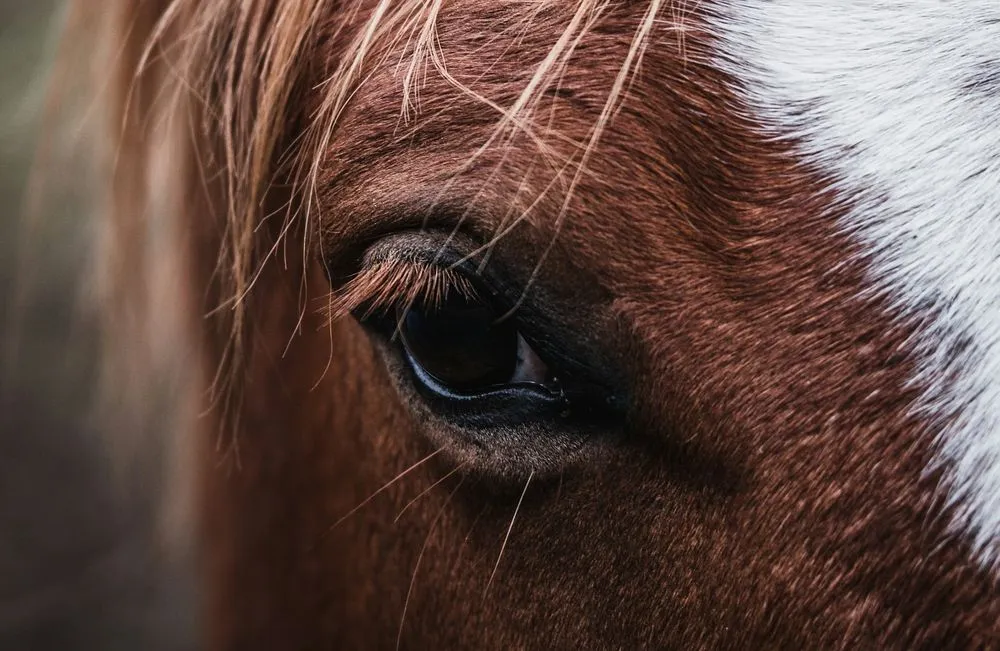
(767, 488)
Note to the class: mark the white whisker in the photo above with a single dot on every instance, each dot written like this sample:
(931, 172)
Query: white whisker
(420, 556)
(507, 535)
(425, 491)
(465, 541)
(384, 487)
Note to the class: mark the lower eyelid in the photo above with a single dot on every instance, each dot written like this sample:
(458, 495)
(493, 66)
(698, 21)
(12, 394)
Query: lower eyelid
(541, 392)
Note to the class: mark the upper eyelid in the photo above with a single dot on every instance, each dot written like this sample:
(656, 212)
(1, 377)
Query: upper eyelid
(399, 268)
(395, 280)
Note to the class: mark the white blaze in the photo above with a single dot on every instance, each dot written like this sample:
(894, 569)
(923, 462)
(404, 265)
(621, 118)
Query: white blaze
(899, 102)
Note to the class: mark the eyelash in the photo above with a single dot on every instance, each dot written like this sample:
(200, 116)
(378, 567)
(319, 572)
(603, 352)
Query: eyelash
(386, 285)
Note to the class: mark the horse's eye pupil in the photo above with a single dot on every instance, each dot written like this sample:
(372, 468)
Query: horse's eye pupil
(460, 344)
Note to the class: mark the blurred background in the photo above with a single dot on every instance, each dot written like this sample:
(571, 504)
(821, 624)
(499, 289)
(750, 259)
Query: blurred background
(81, 566)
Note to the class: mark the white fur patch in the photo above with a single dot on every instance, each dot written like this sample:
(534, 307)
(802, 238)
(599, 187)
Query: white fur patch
(899, 102)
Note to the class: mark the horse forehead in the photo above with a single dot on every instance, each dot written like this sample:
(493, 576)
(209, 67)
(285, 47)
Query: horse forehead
(898, 104)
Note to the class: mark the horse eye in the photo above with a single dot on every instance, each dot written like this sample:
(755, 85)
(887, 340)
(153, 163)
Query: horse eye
(462, 345)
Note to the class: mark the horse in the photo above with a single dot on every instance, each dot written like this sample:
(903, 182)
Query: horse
(565, 323)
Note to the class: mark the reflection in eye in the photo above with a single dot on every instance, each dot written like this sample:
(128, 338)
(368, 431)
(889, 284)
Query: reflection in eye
(461, 344)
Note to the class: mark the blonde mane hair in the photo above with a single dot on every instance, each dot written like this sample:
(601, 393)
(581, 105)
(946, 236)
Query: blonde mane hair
(200, 95)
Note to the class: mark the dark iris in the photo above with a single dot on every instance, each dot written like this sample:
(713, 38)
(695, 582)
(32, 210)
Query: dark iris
(461, 344)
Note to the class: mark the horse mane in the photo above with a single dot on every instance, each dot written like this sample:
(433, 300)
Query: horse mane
(199, 96)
